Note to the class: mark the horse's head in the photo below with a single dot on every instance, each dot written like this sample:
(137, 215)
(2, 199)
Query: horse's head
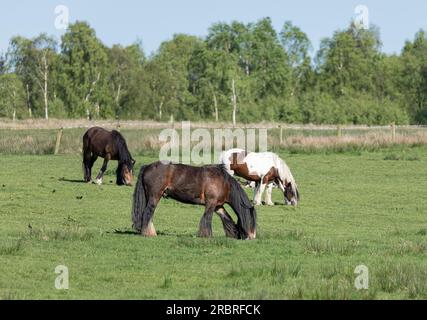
(125, 173)
(249, 232)
(291, 194)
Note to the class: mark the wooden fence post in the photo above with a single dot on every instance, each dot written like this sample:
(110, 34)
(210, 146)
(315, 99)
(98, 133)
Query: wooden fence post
(281, 134)
(117, 123)
(393, 132)
(339, 131)
(58, 140)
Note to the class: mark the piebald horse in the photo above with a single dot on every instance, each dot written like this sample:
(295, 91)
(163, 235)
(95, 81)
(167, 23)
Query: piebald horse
(264, 169)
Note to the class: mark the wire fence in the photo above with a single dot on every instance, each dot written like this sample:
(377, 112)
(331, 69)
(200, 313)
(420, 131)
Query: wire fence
(65, 136)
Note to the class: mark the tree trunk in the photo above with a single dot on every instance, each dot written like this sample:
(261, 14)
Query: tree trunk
(45, 77)
(46, 111)
(92, 88)
(14, 105)
(247, 71)
(30, 113)
(118, 94)
(216, 106)
(160, 108)
(234, 101)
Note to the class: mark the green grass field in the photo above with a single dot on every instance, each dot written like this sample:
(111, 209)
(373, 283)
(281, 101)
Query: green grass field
(364, 208)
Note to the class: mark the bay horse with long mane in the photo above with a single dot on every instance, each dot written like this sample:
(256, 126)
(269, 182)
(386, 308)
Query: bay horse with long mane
(264, 169)
(110, 145)
(208, 186)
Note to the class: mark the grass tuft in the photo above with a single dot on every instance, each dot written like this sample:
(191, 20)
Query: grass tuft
(409, 247)
(11, 247)
(395, 277)
(321, 246)
(205, 243)
(66, 234)
(167, 283)
(401, 157)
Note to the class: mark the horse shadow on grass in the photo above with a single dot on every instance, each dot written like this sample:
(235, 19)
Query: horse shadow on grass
(128, 232)
(62, 179)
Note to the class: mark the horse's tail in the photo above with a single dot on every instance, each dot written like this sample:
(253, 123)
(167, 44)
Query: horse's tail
(86, 156)
(85, 143)
(139, 201)
(243, 207)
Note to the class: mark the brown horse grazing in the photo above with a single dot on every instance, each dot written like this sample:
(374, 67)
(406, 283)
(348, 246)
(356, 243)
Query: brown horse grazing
(98, 142)
(210, 186)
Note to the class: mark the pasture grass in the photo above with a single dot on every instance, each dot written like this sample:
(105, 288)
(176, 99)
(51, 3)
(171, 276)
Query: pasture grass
(356, 209)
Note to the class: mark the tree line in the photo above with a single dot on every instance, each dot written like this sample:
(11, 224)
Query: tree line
(238, 72)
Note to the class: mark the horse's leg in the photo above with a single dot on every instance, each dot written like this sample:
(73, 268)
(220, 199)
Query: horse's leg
(260, 191)
(92, 160)
(268, 200)
(257, 198)
(148, 229)
(102, 171)
(230, 228)
(205, 227)
(87, 161)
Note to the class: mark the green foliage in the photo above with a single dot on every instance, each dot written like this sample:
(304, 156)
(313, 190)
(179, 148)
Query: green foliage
(84, 73)
(414, 77)
(348, 61)
(351, 108)
(190, 78)
(12, 96)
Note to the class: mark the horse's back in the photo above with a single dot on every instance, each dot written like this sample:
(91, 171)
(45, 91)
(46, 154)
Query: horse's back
(95, 131)
(225, 156)
(184, 183)
(261, 162)
(97, 139)
(228, 157)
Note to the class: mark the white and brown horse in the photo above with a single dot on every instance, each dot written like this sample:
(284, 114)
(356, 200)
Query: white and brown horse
(264, 169)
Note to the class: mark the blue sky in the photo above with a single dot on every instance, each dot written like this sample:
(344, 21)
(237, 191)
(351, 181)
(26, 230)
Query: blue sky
(154, 21)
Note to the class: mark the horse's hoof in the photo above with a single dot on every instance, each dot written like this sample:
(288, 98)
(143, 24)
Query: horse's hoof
(251, 236)
(271, 204)
(149, 234)
(98, 182)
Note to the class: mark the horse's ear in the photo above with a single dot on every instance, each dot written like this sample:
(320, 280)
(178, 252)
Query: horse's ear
(133, 161)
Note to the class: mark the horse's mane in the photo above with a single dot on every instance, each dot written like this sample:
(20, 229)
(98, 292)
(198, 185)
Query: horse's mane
(239, 201)
(242, 200)
(124, 155)
(286, 174)
(125, 158)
